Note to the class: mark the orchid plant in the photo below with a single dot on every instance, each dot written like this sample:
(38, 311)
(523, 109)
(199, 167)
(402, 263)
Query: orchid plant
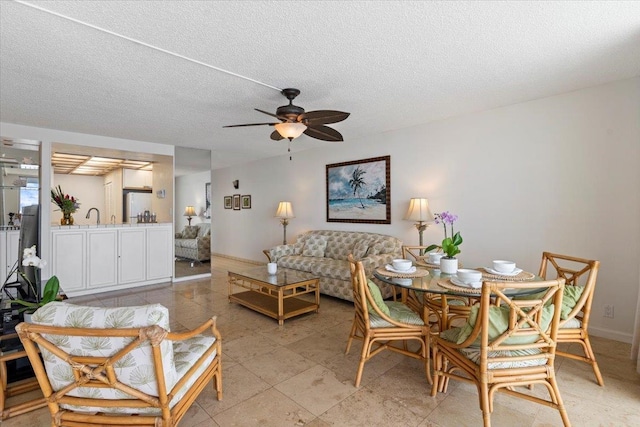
(450, 245)
(51, 288)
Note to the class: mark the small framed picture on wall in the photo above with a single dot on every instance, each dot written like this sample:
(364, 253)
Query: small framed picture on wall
(245, 201)
(227, 202)
(236, 202)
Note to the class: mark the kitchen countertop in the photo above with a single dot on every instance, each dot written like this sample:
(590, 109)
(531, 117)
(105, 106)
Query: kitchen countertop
(57, 226)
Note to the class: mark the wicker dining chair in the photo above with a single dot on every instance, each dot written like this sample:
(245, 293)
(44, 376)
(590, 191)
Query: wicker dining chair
(379, 324)
(443, 310)
(119, 366)
(505, 344)
(580, 275)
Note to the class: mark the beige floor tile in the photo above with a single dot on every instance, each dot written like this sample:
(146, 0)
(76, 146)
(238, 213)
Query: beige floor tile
(406, 385)
(248, 347)
(316, 389)
(366, 408)
(269, 408)
(238, 385)
(278, 365)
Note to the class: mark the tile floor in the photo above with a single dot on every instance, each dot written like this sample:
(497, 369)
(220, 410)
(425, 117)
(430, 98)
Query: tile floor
(298, 374)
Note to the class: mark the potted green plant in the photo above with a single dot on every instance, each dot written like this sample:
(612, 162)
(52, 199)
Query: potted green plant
(51, 288)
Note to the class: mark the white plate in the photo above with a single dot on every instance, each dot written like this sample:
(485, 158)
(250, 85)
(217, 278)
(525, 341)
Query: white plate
(389, 267)
(474, 285)
(496, 272)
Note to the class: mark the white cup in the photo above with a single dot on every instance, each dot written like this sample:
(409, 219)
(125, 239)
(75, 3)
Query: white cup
(272, 268)
(434, 257)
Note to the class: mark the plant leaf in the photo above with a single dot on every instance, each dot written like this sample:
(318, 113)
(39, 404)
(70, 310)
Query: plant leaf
(51, 290)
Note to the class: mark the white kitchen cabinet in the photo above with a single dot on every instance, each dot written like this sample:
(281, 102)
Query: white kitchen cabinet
(102, 258)
(133, 178)
(105, 258)
(4, 271)
(132, 259)
(68, 259)
(159, 252)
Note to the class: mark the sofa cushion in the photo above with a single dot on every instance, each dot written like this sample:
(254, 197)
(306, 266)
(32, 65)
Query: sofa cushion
(334, 268)
(315, 246)
(360, 248)
(190, 232)
(300, 262)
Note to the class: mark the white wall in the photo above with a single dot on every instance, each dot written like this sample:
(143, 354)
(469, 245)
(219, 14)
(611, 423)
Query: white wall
(89, 190)
(190, 192)
(558, 174)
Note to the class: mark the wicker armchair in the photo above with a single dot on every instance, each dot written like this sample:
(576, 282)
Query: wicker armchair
(503, 346)
(378, 329)
(580, 275)
(119, 366)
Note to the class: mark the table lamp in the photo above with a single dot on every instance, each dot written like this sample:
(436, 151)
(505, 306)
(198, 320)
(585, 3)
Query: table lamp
(420, 213)
(189, 212)
(284, 212)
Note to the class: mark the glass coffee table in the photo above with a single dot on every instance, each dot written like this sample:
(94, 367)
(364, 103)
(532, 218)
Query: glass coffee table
(281, 296)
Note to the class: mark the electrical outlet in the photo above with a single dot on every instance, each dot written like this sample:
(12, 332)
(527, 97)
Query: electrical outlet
(608, 311)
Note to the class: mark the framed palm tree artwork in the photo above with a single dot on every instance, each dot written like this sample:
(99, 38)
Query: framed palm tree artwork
(360, 191)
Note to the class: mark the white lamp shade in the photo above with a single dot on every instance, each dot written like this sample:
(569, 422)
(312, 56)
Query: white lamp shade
(290, 130)
(285, 210)
(419, 211)
(189, 211)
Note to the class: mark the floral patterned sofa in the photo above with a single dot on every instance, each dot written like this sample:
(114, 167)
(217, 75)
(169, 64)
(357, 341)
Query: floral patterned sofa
(194, 242)
(324, 253)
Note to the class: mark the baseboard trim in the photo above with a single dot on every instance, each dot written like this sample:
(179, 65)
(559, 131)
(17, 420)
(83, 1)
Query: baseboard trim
(250, 261)
(611, 334)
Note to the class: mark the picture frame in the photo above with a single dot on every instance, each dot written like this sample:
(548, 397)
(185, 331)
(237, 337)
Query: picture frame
(359, 191)
(245, 201)
(207, 198)
(227, 202)
(236, 202)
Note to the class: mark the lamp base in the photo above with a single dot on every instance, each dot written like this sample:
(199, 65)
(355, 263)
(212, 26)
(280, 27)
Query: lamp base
(189, 220)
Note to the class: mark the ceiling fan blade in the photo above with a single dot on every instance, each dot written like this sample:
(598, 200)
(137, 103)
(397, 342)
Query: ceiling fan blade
(322, 117)
(249, 124)
(267, 113)
(276, 136)
(324, 133)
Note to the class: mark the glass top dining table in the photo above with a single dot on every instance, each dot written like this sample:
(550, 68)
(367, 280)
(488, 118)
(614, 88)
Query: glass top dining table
(429, 283)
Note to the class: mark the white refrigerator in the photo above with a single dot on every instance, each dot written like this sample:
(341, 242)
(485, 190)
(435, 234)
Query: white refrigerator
(136, 203)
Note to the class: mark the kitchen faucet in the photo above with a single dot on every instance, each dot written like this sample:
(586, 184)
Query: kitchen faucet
(113, 219)
(97, 211)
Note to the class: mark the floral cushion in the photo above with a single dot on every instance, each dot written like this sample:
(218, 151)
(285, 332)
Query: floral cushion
(190, 232)
(135, 370)
(315, 245)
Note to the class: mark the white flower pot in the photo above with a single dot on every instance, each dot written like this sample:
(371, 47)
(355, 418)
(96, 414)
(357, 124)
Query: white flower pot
(448, 265)
(27, 317)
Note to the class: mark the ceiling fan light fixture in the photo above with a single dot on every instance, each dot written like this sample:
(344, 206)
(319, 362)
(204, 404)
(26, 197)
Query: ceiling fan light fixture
(290, 130)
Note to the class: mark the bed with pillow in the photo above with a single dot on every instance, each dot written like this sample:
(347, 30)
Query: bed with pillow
(324, 253)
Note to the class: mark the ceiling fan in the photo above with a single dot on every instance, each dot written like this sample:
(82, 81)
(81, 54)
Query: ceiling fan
(294, 121)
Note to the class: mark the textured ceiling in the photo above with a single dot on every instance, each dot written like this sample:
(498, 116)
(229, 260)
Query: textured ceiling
(390, 64)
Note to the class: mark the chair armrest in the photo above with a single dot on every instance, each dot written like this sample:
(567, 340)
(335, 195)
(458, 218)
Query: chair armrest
(209, 324)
